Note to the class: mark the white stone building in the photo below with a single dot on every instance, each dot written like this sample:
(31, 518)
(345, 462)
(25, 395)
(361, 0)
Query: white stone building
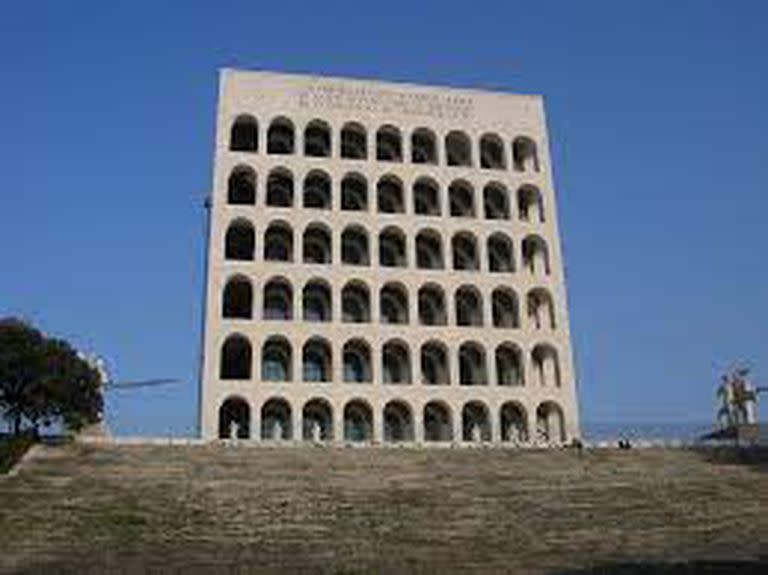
(384, 266)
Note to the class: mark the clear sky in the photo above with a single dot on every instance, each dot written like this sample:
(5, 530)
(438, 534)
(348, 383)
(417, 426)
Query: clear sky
(658, 113)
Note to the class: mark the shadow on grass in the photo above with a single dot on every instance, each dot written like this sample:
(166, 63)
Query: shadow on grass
(676, 568)
(755, 457)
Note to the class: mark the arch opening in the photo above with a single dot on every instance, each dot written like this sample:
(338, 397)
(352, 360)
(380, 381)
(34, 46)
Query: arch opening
(355, 303)
(317, 191)
(358, 421)
(393, 302)
(244, 135)
(276, 360)
(389, 193)
(316, 299)
(276, 420)
(396, 363)
(469, 307)
(472, 370)
(475, 422)
(234, 419)
(429, 250)
(496, 202)
(278, 300)
(398, 422)
(317, 139)
(432, 305)
(280, 188)
(280, 137)
(240, 241)
(317, 420)
(241, 186)
(509, 365)
(550, 423)
(423, 146)
(514, 423)
(354, 246)
(389, 145)
(464, 246)
(238, 299)
(317, 245)
(316, 360)
(354, 142)
(392, 252)
(426, 197)
(357, 362)
(235, 358)
(524, 155)
(505, 308)
(492, 153)
(434, 364)
(458, 149)
(501, 258)
(438, 425)
(278, 243)
(461, 197)
(354, 193)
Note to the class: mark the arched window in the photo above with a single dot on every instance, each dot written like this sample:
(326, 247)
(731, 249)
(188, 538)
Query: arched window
(280, 138)
(464, 248)
(458, 149)
(389, 145)
(541, 309)
(241, 186)
(280, 188)
(276, 360)
(472, 370)
(423, 146)
(354, 142)
(358, 421)
(238, 298)
(317, 139)
(461, 197)
(316, 299)
(355, 303)
(244, 136)
(429, 250)
(357, 362)
(514, 423)
(501, 258)
(496, 202)
(434, 364)
(524, 155)
(396, 362)
(506, 311)
(550, 423)
(235, 358)
(546, 367)
(389, 195)
(475, 422)
(240, 241)
(278, 243)
(530, 205)
(438, 425)
(492, 153)
(426, 197)
(317, 190)
(393, 303)
(535, 255)
(509, 365)
(469, 306)
(354, 193)
(234, 419)
(317, 244)
(276, 420)
(432, 305)
(317, 420)
(278, 300)
(392, 252)
(398, 422)
(354, 246)
(316, 360)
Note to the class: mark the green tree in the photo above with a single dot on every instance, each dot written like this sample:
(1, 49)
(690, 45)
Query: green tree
(44, 380)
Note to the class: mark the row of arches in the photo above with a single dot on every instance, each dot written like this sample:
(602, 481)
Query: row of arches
(427, 198)
(457, 148)
(317, 247)
(316, 362)
(473, 423)
(394, 306)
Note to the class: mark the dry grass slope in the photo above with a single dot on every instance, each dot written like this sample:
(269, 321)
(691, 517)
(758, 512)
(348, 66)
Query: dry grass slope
(131, 509)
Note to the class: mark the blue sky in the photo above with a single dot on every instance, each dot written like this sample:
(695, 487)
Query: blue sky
(659, 121)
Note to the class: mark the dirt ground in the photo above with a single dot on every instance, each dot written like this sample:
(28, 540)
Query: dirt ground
(223, 509)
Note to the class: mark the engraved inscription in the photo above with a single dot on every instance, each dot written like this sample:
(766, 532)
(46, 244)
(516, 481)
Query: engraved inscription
(383, 101)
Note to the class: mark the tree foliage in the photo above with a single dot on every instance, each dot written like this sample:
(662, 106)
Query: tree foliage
(44, 380)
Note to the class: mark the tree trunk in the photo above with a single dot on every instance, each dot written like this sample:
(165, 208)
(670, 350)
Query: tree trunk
(16, 425)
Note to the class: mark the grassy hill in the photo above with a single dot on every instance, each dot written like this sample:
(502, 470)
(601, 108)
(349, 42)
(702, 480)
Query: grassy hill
(208, 508)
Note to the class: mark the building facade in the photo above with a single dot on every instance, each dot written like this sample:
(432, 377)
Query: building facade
(384, 266)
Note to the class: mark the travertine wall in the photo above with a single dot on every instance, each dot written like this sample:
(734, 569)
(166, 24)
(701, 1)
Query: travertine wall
(547, 386)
